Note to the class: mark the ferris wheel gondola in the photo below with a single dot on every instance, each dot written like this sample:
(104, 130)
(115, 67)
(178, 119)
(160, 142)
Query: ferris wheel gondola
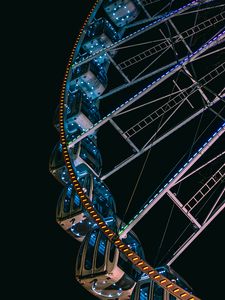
(73, 218)
(111, 260)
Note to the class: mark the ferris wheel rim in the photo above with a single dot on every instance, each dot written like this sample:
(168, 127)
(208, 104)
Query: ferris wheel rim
(112, 236)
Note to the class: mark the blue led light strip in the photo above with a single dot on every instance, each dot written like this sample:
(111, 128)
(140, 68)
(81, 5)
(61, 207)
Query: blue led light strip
(140, 31)
(133, 257)
(172, 178)
(145, 90)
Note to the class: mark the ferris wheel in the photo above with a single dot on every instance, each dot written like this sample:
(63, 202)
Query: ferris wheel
(141, 121)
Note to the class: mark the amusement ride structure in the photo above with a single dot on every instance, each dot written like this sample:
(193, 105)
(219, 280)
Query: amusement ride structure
(149, 75)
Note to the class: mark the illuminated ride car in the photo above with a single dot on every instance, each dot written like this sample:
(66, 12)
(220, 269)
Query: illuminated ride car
(70, 214)
(103, 270)
(146, 289)
(121, 12)
(89, 78)
(85, 157)
(100, 34)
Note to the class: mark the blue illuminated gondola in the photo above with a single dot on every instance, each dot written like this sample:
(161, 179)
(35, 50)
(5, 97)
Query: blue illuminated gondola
(90, 78)
(100, 34)
(57, 165)
(81, 113)
(73, 218)
(121, 12)
(85, 157)
(103, 270)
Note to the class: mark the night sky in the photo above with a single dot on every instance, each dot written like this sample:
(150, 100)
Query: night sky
(52, 263)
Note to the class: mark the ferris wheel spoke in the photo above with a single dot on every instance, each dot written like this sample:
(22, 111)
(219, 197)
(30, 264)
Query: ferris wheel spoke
(143, 8)
(147, 2)
(214, 206)
(190, 240)
(206, 188)
(176, 100)
(135, 34)
(124, 136)
(159, 139)
(158, 99)
(118, 69)
(172, 181)
(141, 22)
(181, 36)
(164, 123)
(153, 61)
(199, 168)
(150, 18)
(178, 203)
(171, 69)
(210, 53)
(217, 114)
(199, 87)
(152, 85)
(193, 11)
(132, 83)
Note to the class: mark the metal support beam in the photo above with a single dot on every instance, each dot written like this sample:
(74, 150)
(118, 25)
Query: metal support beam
(185, 68)
(127, 85)
(152, 202)
(202, 166)
(158, 140)
(180, 36)
(217, 114)
(205, 189)
(153, 24)
(124, 86)
(182, 208)
(183, 93)
(202, 9)
(214, 206)
(147, 2)
(118, 69)
(198, 86)
(123, 135)
(191, 239)
(152, 85)
(186, 92)
(144, 9)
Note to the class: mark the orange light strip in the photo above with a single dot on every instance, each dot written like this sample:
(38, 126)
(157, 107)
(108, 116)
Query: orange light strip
(87, 204)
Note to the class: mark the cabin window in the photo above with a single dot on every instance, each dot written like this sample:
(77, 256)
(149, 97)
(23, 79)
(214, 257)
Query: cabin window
(144, 291)
(67, 202)
(112, 252)
(128, 268)
(80, 256)
(101, 252)
(76, 201)
(90, 251)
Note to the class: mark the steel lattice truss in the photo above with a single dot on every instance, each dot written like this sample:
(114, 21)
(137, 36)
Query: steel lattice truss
(167, 75)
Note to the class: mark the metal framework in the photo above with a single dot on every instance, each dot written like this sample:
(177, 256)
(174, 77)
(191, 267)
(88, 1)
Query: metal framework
(168, 186)
(195, 90)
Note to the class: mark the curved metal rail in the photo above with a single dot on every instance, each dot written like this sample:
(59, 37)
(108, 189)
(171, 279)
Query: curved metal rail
(142, 265)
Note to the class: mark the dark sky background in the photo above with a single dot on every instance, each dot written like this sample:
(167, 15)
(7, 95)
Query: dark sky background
(49, 256)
